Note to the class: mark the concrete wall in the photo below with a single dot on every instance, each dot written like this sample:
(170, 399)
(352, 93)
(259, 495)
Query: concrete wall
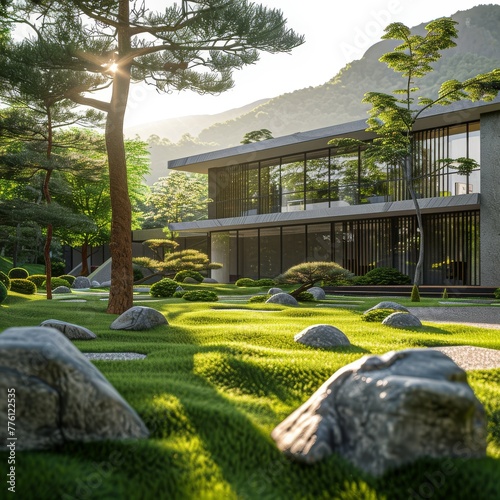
(490, 199)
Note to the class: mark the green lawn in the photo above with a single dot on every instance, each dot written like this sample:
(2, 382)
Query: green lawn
(214, 385)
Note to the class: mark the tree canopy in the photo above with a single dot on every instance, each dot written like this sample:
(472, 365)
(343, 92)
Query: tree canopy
(188, 45)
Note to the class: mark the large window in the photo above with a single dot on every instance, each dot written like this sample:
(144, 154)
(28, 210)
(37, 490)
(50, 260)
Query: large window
(324, 179)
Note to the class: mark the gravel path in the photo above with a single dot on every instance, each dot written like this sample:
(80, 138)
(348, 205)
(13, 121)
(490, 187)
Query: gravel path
(484, 316)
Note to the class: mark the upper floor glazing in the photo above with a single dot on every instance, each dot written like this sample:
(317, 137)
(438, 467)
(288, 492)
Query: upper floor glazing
(323, 178)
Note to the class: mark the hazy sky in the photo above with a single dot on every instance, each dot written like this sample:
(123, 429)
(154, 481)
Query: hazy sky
(336, 33)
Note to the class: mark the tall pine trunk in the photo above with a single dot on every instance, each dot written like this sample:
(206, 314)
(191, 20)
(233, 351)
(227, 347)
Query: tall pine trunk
(122, 276)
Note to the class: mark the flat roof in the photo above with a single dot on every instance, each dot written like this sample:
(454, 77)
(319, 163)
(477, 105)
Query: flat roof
(438, 116)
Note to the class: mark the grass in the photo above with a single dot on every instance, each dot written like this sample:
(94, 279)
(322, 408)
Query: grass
(6, 265)
(216, 382)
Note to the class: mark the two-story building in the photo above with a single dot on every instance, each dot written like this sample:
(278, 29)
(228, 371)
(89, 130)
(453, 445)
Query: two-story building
(292, 199)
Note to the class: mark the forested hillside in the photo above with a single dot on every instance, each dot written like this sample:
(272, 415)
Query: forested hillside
(339, 100)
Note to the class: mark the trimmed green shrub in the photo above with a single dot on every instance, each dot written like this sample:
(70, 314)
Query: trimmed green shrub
(377, 315)
(305, 297)
(138, 274)
(163, 288)
(55, 282)
(69, 278)
(264, 282)
(18, 273)
(38, 279)
(24, 286)
(5, 280)
(445, 294)
(497, 293)
(245, 282)
(383, 276)
(58, 267)
(3, 292)
(259, 298)
(179, 294)
(201, 296)
(415, 294)
(182, 275)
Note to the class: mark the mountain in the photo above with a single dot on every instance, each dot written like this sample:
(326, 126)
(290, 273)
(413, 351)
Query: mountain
(339, 100)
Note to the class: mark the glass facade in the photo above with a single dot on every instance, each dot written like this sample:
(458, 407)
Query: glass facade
(451, 254)
(324, 178)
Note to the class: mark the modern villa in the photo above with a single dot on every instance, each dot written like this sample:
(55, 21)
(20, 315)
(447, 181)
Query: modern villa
(283, 201)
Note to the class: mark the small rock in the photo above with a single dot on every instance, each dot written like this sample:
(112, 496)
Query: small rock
(179, 289)
(81, 282)
(105, 284)
(402, 320)
(95, 284)
(139, 318)
(69, 330)
(62, 289)
(285, 299)
(274, 291)
(209, 280)
(389, 305)
(322, 336)
(317, 292)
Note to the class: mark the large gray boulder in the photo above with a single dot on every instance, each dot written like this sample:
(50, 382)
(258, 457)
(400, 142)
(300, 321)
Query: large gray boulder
(323, 336)
(284, 299)
(381, 412)
(317, 292)
(389, 305)
(402, 320)
(69, 330)
(81, 282)
(59, 395)
(139, 318)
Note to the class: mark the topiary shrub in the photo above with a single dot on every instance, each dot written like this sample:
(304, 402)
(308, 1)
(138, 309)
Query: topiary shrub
(58, 267)
(245, 282)
(163, 288)
(383, 276)
(69, 278)
(179, 294)
(138, 274)
(18, 273)
(5, 280)
(264, 282)
(305, 297)
(24, 286)
(445, 294)
(377, 315)
(259, 298)
(497, 293)
(415, 294)
(55, 282)
(3, 292)
(37, 279)
(201, 296)
(182, 275)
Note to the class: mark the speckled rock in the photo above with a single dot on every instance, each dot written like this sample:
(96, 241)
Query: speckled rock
(389, 305)
(381, 412)
(95, 284)
(322, 336)
(274, 291)
(402, 320)
(139, 318)
(61, 289)
(69, 330)
(60, 395)
(317, 292)
(209, 280)
(81, 282)
(284, 299)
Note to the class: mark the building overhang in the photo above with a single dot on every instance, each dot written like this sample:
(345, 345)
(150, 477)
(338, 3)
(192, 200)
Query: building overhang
(333, 214)
(439, 116)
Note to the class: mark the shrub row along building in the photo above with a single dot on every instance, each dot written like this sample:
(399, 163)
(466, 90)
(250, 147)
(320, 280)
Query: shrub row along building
(292, 199)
